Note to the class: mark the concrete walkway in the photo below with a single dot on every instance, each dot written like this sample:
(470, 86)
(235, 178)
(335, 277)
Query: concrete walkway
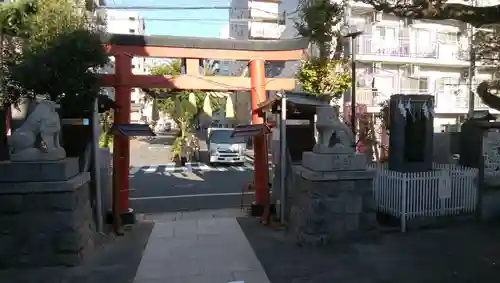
(204, 247)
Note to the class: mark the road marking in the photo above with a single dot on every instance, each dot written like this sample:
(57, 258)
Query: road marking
(134, 170)
(159, 147)
(190, 167)
(221, 169)
(238, 168)
(192, 196)
(151, 169)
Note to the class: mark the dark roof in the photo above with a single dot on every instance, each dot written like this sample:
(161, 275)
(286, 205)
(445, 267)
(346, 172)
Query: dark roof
(297, 99)
(205, 43)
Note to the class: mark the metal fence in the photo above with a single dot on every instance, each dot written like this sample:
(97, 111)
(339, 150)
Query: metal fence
(445, 191)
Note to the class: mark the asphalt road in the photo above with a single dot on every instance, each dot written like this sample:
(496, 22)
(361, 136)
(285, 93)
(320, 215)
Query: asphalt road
(157, 185)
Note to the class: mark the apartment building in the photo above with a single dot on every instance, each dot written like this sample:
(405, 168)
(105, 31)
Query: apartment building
(404, 56)
(130, 22)
(252, 20)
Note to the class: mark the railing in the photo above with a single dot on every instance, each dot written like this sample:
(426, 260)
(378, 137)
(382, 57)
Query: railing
(374, 98)
(371, 97)
(444, 100)
(445, 191)
(407, 48)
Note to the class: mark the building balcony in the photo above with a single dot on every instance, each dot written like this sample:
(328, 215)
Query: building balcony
(446, 102)
(410, 51)
(262, 30)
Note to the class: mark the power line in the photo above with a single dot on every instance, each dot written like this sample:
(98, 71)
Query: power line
(201, 20)
(119, 7)
(138, 8)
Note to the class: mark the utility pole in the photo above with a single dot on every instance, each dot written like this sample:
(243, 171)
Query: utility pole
(472, 67)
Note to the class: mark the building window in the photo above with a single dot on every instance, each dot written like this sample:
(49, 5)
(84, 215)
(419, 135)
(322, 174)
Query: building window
(133, 66)
(423, 85)
(131, 30)
(131, 18)
(447, 37)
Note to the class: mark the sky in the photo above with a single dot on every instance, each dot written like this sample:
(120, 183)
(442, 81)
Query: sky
(199, 23)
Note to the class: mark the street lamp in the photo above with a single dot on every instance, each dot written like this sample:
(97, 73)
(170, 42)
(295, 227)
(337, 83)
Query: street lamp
(352, 32)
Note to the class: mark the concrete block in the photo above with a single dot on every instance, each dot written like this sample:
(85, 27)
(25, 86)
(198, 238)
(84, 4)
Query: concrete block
(57, 214)
(333, 162)
(353, 204)
(335, 206)
(38, 171)
(312, 175)
(352, 222)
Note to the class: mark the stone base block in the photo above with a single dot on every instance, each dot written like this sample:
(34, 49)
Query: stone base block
(324, 162)
(38, 171)
(331, 209)
(50, 225)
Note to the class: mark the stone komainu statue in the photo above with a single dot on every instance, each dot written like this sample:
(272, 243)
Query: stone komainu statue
(43, 123)
(332, 132)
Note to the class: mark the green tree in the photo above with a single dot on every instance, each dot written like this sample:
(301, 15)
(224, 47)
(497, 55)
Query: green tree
(62, 47)
(176, 105)
(15, 25)
(324, 74)
(439, 10)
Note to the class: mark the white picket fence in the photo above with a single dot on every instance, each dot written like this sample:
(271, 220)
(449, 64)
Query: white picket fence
(448, 190)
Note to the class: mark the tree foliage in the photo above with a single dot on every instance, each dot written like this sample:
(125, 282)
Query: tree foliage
(176, 105)
(317, 77)
(439, 10)
(325, 74)
(15, 17)
(59, 57)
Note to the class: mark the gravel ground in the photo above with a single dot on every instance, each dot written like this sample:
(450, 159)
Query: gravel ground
(116, 261)
(465, 253)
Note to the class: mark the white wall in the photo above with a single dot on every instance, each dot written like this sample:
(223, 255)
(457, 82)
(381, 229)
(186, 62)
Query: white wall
(289, 7)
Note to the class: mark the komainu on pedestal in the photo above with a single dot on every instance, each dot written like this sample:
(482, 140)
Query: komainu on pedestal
(332, 197)
(44, 125)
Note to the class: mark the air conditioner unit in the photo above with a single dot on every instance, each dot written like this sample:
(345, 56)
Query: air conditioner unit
(376, 17)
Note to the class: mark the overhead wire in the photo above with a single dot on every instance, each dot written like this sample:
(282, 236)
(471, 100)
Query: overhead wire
(166, 8)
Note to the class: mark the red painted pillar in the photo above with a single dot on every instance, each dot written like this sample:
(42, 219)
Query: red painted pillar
(121, 145)
(258, 94)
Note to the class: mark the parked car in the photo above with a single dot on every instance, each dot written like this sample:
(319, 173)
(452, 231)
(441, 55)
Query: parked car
(223, 148)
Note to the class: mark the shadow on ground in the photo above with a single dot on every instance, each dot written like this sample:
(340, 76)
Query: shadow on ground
(461, 254)
(116, 261)
(164, 138)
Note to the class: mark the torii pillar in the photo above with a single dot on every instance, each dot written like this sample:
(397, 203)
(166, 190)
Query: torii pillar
(121, 144)
(258, 95)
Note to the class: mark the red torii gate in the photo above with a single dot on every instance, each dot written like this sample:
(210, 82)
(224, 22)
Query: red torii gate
(125, 47)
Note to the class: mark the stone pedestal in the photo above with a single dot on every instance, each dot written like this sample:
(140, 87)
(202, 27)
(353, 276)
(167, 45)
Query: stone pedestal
(45, 223)
(332, 205)
(38, 171)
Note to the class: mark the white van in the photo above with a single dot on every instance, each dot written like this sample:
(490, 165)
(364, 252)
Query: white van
(223, 148)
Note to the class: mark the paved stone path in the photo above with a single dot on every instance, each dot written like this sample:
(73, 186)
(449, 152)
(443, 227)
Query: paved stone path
(204, 246)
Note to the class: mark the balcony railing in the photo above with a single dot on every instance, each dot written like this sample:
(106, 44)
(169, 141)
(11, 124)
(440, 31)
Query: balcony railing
(406, 48)
(445, 101)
